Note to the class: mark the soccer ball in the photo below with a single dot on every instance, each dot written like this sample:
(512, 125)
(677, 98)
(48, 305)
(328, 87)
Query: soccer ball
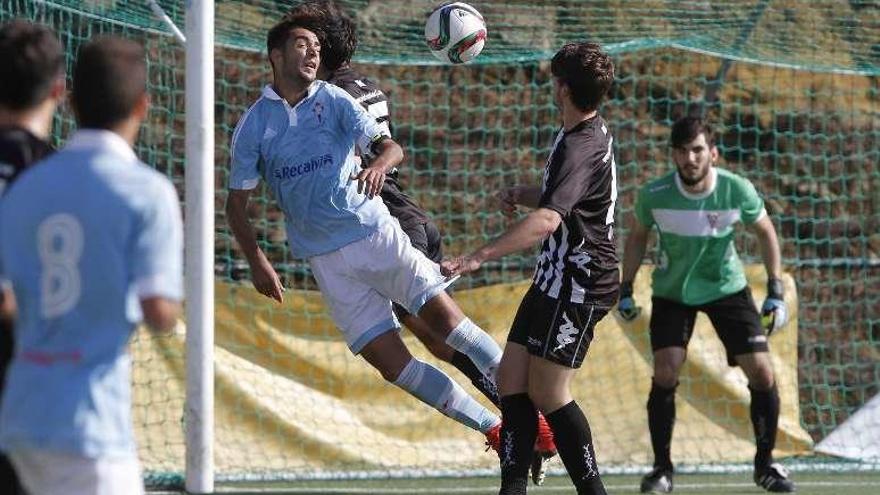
(455, 33)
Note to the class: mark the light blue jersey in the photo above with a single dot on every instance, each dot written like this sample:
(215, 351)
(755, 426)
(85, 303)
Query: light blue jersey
(83, 237)
(305, 153)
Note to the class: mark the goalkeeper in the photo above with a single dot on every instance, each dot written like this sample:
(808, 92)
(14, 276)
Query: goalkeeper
(694, 210)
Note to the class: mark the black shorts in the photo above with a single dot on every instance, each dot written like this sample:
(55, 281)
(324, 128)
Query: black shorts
(556, 330)
(735, 318)
(426, 238)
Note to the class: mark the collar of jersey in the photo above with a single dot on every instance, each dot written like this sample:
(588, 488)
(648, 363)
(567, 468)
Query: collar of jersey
(269, 92)
(101, 139)
(713, 183)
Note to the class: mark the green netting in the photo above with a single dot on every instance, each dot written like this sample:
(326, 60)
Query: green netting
(793, 84)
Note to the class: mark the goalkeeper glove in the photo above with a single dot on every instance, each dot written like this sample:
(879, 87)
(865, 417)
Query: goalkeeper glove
(626, 307)
(774, 314)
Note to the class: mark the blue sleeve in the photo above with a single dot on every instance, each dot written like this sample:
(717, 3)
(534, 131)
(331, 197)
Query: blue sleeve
(358, 124)
(157, 259)
(245, 152)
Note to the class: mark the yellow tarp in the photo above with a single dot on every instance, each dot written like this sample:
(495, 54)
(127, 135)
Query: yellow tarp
(290, 396)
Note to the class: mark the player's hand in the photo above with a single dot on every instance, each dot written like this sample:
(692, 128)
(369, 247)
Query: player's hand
(508, 199)
(370, 181)
(626, 306)
(774, 313)
(266, 281)
(460, 265)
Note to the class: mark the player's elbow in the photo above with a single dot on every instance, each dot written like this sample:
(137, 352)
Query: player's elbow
(160, 314)
(549, 220)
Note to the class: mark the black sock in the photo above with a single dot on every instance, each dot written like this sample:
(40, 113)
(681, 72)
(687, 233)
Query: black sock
(765, 419)
(575, 444)
(518, 432)
(483, 383)
(661, 419)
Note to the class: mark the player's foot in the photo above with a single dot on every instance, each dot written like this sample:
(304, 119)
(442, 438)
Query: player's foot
(538, 468)
(659, 480)
(544, 444)
(493, 438)
(774, 479)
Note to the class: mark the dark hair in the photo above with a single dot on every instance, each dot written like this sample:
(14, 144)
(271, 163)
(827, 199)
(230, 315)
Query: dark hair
(686, 129)
(308, 15)
(340, 36)
(32, 59)
(109, 79)
(586, 70)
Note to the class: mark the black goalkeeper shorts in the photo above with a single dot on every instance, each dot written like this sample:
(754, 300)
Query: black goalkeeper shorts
(735, 318)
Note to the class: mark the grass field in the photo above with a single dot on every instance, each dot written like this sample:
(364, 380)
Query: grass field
(740, 483)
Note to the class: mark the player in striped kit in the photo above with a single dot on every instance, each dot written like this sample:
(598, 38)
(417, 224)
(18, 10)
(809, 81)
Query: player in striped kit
(576, 279)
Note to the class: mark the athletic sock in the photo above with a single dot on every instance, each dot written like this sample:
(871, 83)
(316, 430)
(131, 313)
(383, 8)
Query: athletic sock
(574, 442)
(518, 432)
(483, 383)
(765, 420)
(475, 343)
(438, 390)
(661, 420)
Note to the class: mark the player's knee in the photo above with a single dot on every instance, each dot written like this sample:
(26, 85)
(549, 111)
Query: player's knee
(666, 374)
(762, 378)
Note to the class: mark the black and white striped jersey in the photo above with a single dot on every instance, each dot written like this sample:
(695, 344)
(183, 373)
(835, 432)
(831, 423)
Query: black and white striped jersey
(374, 100)
(579, 262)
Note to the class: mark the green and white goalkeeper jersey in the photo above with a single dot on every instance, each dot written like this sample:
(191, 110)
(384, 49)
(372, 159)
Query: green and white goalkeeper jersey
(697, 261)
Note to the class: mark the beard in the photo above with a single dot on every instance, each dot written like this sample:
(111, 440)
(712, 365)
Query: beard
(693, 181)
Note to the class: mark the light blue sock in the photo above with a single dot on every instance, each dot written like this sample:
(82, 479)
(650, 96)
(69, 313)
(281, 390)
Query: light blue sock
(472, 341)
(435, 388)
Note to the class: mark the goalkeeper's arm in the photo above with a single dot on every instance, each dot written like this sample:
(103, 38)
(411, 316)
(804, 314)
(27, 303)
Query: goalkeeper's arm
(773, 311)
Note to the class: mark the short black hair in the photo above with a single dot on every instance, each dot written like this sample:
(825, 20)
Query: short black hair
(340, 36)
(308, 15)
(686, 129)
(109, 79)
(586, 70)
(32, 59)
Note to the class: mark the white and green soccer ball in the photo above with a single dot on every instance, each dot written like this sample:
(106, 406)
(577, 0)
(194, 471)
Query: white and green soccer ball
(455, 33)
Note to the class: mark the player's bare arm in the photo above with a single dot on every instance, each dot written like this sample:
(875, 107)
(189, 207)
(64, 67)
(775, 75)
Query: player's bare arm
(263, 276)
(769, 244)
(388, 155)
(524, 234)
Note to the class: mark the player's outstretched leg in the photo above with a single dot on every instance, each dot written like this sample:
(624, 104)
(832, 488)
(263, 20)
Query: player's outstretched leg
(445, 318)
(389, 355)
(443, 351)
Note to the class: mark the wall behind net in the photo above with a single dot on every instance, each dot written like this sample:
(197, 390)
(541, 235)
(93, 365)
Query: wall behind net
(797, 108)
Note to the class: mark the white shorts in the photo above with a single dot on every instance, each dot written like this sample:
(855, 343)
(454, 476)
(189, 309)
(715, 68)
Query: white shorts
(359, 281)
(52, 473)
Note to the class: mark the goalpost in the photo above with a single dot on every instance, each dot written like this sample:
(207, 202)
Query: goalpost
(199, 414)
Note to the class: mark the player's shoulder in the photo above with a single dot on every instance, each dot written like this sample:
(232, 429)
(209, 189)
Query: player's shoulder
(731, 180)
(354, 83)
(731, 177)
(588, 142)
(19, 148)
(661, 185)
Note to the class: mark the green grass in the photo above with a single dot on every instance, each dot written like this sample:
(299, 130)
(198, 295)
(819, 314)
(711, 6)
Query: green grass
(739, 483)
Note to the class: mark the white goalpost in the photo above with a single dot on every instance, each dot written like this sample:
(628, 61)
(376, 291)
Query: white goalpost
(199, 260)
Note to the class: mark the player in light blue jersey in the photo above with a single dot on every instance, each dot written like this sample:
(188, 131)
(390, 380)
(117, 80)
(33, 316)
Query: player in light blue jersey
(300, 137)
(92, 242)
